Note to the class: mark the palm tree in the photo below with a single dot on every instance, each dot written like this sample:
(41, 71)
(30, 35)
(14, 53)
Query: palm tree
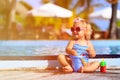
(112, 26)
(7, 12)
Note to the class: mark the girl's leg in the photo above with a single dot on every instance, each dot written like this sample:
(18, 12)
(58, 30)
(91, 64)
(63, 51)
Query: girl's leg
(91, 67)
(65, 62)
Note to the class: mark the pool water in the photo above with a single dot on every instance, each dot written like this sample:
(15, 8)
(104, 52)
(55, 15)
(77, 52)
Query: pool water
(47, 47)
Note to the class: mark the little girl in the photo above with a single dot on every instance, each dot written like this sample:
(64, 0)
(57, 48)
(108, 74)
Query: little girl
(79, 50)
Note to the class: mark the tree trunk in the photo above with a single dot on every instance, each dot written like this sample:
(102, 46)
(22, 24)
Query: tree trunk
(10, 17)
(112, 28)
(88, 9)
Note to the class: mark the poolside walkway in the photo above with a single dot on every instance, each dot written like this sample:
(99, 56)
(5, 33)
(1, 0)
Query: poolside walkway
(38, 74)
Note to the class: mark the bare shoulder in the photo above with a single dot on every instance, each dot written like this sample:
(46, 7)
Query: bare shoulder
(90, 43)
(71, 41)
(70, 44)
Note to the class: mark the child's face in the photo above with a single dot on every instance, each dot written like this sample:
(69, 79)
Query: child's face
(78, 30)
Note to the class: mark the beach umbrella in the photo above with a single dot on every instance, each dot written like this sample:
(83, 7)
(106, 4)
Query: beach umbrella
(51, 10)
(104, 14)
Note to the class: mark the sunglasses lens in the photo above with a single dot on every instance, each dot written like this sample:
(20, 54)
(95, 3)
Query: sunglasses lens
(75, 29)
(72, 29)
(78, 29)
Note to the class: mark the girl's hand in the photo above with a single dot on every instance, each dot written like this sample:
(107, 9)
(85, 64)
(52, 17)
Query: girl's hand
(88, 50)
(73, 52)
(91, 50)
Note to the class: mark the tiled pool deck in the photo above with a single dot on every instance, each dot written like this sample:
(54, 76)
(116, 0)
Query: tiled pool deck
(38, 74)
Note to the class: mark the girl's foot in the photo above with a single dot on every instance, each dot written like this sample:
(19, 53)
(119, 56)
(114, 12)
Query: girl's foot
(81, 69)
(67, 69)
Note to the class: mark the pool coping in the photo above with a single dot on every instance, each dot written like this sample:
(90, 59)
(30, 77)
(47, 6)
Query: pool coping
(52, 57)
(45, 62)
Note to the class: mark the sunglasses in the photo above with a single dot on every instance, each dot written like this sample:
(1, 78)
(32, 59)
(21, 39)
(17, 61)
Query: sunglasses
(78, 29)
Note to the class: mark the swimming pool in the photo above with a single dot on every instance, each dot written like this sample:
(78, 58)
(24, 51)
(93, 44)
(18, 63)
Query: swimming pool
(45, 47)
(52, 47)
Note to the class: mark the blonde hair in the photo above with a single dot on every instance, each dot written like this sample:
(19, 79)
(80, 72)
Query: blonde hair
(88, 31)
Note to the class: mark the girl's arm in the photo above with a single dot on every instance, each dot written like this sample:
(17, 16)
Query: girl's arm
(91, 50)
(69, 49)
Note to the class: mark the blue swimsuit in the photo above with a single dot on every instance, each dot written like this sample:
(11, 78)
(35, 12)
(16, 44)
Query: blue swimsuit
(82, 53)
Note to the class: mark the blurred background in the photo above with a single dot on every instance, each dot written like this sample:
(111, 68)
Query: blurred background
(52, 19)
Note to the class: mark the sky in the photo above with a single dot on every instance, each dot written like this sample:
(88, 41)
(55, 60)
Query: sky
(103, 24)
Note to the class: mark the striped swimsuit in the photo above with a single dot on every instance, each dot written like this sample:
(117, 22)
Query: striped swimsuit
(81, 53)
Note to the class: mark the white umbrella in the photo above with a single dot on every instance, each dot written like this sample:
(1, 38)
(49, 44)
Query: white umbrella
(104, 13)
(51, 10)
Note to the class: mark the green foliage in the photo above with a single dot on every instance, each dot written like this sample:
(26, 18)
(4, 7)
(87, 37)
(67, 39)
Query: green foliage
(118, 23)
(1, 20)
(19, 19)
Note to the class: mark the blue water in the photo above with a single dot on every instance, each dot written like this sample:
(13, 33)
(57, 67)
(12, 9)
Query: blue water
(45, 47)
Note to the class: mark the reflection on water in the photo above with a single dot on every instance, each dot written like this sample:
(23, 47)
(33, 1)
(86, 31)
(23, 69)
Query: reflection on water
(30, 51)
(108, 50)
(32, 48)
